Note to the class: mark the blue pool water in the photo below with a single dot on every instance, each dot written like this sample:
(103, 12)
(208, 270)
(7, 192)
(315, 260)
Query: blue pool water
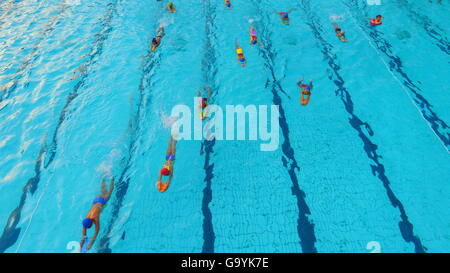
(364, 167)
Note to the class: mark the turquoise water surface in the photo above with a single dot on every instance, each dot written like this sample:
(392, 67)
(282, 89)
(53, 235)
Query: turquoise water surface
(364, 167)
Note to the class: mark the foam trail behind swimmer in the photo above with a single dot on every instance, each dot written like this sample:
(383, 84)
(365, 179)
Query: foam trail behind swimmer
(166, 21)
(336, 18)
(167, 121)
(106, 165)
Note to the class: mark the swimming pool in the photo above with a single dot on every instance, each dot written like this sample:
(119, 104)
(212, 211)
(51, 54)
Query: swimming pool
(364, 167)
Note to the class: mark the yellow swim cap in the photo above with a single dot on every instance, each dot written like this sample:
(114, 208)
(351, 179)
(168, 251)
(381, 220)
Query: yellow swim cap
(239, 50)
(170, 4)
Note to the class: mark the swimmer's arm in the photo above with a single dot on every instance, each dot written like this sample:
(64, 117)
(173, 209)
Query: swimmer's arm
(310, 84)
(300, 82)
(97, 228)
(160, 32)
(83, 238)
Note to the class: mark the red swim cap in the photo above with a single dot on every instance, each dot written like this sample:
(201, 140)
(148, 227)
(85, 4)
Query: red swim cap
(164, 171)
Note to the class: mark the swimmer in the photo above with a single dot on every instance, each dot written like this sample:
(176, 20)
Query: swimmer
(284, 16)
(254, 38)
(240, 54)
(167, 169)
(94, 214)
(340, 33)
(203, 103)
(377, 20)
(171, 7)
(306, 90)
(157, 40)
(228, 4)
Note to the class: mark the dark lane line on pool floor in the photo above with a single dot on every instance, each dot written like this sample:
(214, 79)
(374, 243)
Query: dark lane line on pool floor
(209, 236)
(430, 28)
(437, 125)
(95, 52)
(209, 70)
(31, 58)
(305, 227)
(378, 170)
(10, 232)
(150, 65)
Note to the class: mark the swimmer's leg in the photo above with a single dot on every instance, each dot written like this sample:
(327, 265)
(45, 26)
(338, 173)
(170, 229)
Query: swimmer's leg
(111, 188)
(169, 148)
(103, 187)
(174, 147)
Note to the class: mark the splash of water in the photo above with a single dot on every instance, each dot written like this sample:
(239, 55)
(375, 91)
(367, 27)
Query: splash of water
(167, 120)
(337, 18)
(106, 165)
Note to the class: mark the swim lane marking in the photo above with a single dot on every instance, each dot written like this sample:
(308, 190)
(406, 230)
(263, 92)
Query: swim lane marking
(397, 79)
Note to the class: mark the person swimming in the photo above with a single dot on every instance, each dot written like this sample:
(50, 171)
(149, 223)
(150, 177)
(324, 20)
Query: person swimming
(377, 21)
(171, 7)
(339, 33)
(228, 4)
(156, 41)
(284, 16)
(167, 169)
(93, 217)
(240, 54)
(203, 103)
(253, 37)
(305, 91)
